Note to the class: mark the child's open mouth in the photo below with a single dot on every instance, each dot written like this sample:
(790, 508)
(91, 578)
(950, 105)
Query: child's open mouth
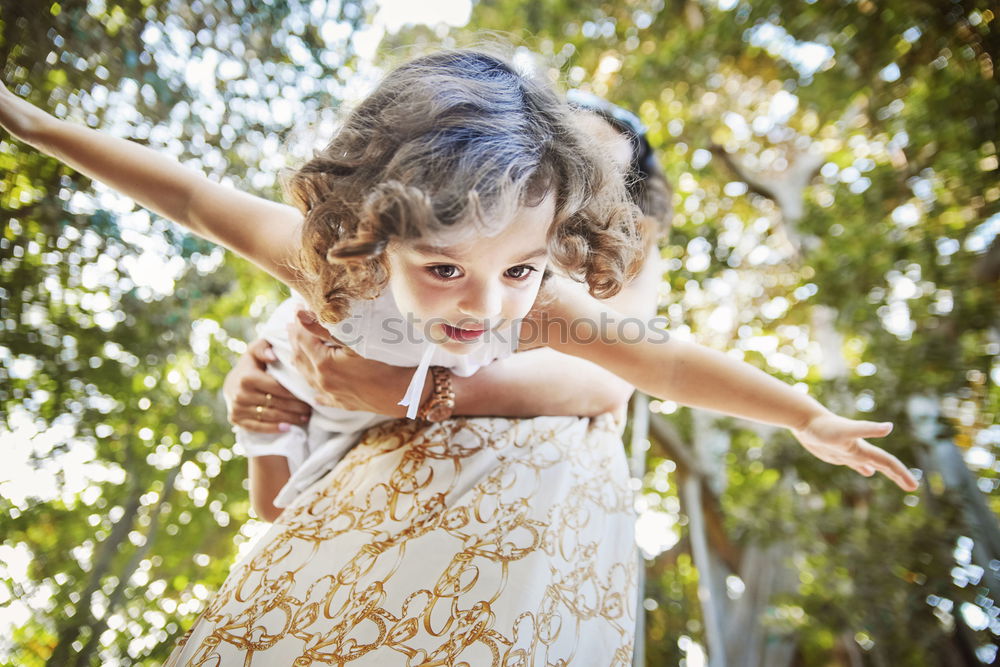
(462, 334)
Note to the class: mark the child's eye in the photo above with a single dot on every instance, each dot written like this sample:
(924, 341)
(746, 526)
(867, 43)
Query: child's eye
(521, 272)
(443, 271)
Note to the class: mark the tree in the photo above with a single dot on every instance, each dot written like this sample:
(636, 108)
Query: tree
(872, 282)
(119, 328)
(837, 217)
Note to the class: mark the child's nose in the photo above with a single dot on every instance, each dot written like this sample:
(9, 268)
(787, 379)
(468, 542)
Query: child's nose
(481, 303)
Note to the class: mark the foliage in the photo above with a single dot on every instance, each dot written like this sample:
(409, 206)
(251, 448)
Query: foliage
(128, 503)
(896, 238)
(117, 329)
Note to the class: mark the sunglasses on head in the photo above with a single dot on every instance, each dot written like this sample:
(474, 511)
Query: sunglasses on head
(627, 123)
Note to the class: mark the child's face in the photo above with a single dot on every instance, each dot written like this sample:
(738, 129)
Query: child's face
(476, 286)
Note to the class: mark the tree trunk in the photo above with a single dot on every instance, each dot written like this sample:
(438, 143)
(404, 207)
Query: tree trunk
(924, 413)
(109, 548)
(711, 612)
(115, 599)
(638, 449)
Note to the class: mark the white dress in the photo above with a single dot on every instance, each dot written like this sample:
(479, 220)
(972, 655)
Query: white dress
(472, 542)
(375, 329)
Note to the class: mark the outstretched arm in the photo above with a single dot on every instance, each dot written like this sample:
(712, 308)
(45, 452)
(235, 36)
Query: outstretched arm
(528, 384)
(265, 232)
(697, 376)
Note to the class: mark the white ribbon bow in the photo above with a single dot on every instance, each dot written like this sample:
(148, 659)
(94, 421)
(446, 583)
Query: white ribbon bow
(412, 396)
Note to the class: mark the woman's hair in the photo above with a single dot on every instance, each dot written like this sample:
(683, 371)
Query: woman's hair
(448, 146)
(651, 191)
(645, 178)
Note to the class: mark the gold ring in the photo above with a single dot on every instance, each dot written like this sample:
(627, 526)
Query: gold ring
(260, 409)
(267, 399)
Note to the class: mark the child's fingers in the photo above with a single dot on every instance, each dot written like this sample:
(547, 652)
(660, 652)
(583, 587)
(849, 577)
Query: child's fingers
(862, 469)
(866, 429)
(889, 465)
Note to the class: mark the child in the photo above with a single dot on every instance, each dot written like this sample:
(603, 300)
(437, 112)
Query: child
(265, 412)
(449, 191)
(418, 213)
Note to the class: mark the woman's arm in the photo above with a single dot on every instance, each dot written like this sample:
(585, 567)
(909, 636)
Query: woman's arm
(539, 382)
(525, 385)
(265, 232)
(531, 383)
(697, 376)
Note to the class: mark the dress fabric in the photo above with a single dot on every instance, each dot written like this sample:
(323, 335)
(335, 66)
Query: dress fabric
(375, 329)
(470, 542)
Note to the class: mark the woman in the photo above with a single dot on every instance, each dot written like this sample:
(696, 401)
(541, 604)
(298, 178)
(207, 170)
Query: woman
(570, 450)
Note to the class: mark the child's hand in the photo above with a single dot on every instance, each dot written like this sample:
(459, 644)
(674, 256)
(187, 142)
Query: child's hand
(840, 441)
(17, 116)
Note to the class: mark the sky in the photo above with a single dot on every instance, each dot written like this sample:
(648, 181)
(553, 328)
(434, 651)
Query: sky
(393, 14)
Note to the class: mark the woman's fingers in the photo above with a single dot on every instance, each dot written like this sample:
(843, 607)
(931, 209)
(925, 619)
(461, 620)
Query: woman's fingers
(256, 405)
(275, 403)
(261, 351)
(307, 350)
(316, 336)
(290, 406)
(309, 322)
(264, 384)
(263, 427)
(274, 416)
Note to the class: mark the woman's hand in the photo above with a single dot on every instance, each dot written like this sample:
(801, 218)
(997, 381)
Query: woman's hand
(249, 387)
(342, 378)
(19, 117)
(841, 441)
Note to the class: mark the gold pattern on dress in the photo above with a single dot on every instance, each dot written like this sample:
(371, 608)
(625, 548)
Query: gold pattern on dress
(469, 542)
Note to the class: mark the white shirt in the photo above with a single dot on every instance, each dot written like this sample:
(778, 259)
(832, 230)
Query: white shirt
(376, 330)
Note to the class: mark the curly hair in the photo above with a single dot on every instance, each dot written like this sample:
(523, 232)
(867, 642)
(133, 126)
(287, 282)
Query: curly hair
(447, 146)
